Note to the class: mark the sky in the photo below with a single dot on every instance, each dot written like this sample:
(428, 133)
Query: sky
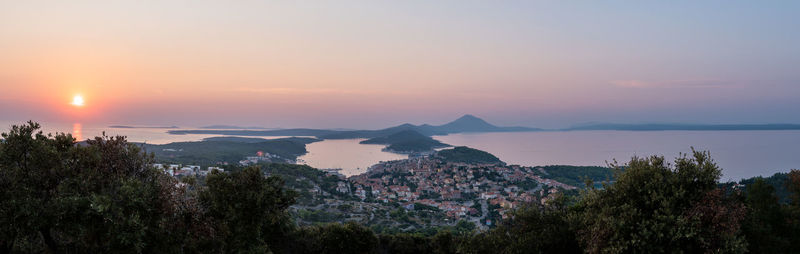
(372, 64)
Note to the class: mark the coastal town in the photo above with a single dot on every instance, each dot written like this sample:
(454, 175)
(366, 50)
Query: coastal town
(427, 190)
(178, 170)
(461, 190)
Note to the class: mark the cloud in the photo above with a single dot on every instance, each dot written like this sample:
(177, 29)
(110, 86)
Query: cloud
(340, 91)
(630, 83)
(697, 83)
(433, 94)
(302, 91)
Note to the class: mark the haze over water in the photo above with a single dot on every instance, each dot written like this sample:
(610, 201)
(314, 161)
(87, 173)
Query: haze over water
(347, 154)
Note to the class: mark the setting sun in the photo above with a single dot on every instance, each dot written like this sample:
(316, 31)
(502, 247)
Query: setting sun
(77, 101)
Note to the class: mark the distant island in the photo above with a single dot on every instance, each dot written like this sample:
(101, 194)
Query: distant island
(466, 123)
(405, 138)
(684, 127)
(142, 127)
(233, 127)
(282, 132)
(406, 142)
(237, 139)
(417, 139)
(463, 154)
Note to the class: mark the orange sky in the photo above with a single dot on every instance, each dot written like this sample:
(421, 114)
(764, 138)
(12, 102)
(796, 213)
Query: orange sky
(372, 64)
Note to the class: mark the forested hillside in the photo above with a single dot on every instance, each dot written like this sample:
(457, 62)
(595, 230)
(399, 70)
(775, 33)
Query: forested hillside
(104, 197)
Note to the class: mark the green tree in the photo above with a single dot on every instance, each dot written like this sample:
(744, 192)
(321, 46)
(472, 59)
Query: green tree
(446, 241)
(530, 229)
(404, 243)
(793, 184)
(333, 238)
(59, 196)
(249, 210)
(765, 226)
(655, 207)
(793, 210)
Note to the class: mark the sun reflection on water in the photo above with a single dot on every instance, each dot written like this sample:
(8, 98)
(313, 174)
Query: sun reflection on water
(77, 130)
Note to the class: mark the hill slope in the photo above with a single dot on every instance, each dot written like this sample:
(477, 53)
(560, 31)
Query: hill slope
(407, 141)
(463, 154)
(213, 152)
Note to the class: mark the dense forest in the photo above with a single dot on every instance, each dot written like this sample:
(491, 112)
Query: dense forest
(103, 196)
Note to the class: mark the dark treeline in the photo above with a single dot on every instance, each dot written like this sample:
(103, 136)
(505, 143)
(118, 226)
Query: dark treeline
(102, 196)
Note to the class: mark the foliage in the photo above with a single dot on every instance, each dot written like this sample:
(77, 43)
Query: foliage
(102, 196)
(654, 207)
(778, 181)
(463, 154)
(248, 209)
(765, 223)
(424, 207)
(291, 172)
(527, 184)
(213, 152)
(333, 238)
(535, 229)
(318, 216)
(793, 184)
(578, 175)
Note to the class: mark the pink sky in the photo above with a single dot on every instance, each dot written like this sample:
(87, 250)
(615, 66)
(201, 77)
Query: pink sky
(366, 64)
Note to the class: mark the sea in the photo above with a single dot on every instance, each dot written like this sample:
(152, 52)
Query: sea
(740, 154)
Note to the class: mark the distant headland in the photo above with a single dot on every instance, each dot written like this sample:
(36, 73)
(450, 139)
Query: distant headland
(466, 123)
(411, 139)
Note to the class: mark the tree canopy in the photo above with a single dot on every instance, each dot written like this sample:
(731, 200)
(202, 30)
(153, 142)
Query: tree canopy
(656, 207)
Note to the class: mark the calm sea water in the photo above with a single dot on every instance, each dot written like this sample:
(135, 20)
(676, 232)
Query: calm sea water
(150, 135)
(740, 154)
(350, 156)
